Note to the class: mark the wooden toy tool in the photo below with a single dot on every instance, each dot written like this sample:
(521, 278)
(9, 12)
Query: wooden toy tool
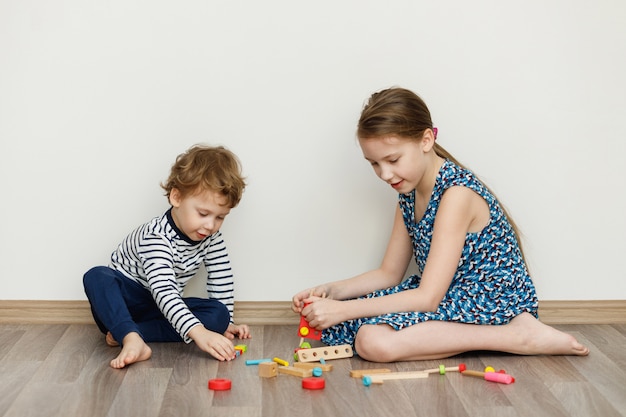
(327, 352)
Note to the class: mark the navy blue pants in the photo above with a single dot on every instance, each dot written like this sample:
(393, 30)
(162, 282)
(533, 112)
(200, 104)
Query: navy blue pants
(120, 305)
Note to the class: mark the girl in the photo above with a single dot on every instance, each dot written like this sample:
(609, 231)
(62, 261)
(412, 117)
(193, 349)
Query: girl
(473, 291)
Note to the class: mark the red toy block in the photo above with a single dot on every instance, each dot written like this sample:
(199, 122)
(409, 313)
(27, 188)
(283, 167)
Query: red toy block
(306, 331)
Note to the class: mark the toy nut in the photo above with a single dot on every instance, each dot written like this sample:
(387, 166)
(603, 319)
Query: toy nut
(220, 384)
(313, 383)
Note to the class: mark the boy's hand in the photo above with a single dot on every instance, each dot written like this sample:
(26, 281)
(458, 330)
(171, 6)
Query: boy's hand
(216, 345)
(241, 331)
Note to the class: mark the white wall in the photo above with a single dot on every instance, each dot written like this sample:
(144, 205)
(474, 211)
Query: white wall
(97, 98)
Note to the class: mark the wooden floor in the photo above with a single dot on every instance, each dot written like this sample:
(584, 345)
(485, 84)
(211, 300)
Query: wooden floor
(62, 370)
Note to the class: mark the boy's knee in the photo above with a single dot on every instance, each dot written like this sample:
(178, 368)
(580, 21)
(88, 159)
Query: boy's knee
(94, 274)
(213, 314)
(222, 312)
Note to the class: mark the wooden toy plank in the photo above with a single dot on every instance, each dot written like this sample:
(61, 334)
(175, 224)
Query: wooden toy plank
(290, 370)
(359, 373)
(327, 352)
(310, 365)
(377, 378)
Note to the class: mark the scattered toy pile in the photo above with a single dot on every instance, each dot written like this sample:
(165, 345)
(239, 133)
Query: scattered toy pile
(310, 365)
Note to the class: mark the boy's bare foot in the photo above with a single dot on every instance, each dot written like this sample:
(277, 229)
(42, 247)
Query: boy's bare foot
(134, 349)
(110, 340)
(541, 339)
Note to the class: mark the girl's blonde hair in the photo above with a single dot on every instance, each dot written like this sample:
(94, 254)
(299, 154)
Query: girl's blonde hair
(402, 113)
(207, 168)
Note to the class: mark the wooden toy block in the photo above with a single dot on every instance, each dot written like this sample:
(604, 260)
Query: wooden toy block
(360, 373)
(291, 370)
(268, 369)
(379, 378)
(326, 353)
(311, 365)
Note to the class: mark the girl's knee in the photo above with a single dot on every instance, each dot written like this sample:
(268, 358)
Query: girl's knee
(371, 344)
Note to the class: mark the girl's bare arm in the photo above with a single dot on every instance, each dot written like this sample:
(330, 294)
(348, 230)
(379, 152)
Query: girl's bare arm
(460, 211)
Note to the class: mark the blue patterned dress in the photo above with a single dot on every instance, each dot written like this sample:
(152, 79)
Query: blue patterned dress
(491, 284)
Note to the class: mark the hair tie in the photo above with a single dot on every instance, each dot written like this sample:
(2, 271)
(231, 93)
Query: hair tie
(435, 130)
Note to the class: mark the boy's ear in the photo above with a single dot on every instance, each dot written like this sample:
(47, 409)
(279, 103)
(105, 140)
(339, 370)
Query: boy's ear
(175, 197)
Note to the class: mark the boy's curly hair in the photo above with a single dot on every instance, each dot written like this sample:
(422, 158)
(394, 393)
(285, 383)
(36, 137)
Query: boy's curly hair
(203, 168)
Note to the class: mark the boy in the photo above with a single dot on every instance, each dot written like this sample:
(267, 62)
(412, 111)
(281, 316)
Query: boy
(138, 297)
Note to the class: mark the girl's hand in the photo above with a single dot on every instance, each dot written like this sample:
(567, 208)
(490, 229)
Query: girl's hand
(302, 297)
(242, 331)
(216, 345)
(322, 313)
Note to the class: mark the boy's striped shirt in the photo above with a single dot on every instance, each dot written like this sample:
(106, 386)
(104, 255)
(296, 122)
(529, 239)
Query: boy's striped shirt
(160, 257)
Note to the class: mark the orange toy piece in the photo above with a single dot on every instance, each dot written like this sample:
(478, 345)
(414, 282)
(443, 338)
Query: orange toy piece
(306, 331)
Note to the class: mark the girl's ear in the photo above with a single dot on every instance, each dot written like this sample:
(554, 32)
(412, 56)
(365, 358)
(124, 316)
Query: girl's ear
(175, 197)
(428, 140)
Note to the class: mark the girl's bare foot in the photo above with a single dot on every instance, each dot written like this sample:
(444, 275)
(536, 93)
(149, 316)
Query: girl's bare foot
(541, 339)
(134, 349)
(110, 340)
